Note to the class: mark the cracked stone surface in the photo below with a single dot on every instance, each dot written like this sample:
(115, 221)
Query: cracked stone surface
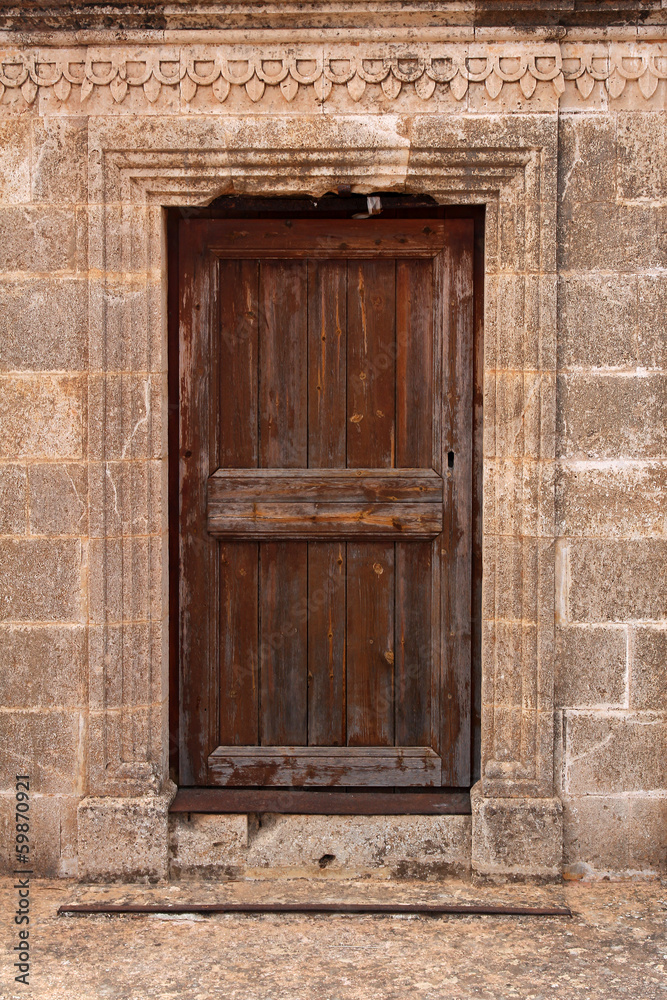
(613, 946)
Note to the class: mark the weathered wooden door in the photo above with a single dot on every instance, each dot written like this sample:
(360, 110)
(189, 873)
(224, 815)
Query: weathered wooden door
(325, 475)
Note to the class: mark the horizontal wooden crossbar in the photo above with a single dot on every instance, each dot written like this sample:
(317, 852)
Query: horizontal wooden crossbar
(325, 520)
(347, 766)
(339, 238)
(325, 503)
(332, 485)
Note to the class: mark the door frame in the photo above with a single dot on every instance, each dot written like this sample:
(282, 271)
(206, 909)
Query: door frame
(351, 802)
(506, 162)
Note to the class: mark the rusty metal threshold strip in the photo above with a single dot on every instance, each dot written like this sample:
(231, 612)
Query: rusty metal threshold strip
(391, 909)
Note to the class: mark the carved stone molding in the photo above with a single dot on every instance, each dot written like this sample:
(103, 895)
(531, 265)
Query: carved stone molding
(426, 69)
(458, 160)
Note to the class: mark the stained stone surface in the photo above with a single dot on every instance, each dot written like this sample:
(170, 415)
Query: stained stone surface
(613, 947)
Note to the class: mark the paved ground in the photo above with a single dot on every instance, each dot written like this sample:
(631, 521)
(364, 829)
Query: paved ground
(614, 946)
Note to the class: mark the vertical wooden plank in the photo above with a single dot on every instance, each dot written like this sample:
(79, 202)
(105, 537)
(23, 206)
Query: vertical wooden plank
(371, 380)
(327, 363)
(239, 654)
(283, 443)
(456, 460)
(414, 363)
(414, 643)
(238, 347)
(283, 643)
(238, 448)
(198, 452)
(370, 644)
(371, 363)
(414, 448)
(283, 386)
(327, 418)
(326, 643)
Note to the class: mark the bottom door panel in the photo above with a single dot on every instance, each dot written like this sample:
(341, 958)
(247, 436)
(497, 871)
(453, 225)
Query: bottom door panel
(324, 766)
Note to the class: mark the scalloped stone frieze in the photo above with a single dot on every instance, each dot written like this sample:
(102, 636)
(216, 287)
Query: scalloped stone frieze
(288, 69)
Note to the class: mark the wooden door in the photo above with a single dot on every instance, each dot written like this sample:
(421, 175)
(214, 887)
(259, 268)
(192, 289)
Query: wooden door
(325, 470)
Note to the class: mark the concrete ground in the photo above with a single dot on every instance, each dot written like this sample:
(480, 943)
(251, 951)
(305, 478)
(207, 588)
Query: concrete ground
(614, 945)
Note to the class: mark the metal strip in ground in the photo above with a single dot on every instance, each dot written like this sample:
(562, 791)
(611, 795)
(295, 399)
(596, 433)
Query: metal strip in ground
(425, 909)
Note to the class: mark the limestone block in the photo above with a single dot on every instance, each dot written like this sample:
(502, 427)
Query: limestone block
(612, 416)
(408, 846)
(518, 497)
(129, 309)
(641, 156)
(44, 665)
(512, 99)
(15, 162)
(205, 845)
(52, 834)
(40, 580)
(623, 500)
(41, 416)
(125, 414)
(586, 157)
(43, 324)
(517, 745)
(617, 580)
(632, 98)
(519, 580)
(610, 236)
(124, 838)
(516, 836)
(126, 579)
(37, 238)
(126, 498)
(647, 839)
(648, 669)
(12, 499)
(520, 407)
(590, 666)
(111, 649)
(504, 644)
(59, 160)
(46, 745)
(597, 320)
(616, 834)
(614, 752)
(652, 320)
(127, 748)
(520, 311)
(573, 100)
(58, 499)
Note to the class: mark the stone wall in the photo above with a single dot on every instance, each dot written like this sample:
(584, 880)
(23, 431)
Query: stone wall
(611, 493)
(83, 606)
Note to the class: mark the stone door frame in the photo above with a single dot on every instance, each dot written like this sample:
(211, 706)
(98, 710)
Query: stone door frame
(139, 167)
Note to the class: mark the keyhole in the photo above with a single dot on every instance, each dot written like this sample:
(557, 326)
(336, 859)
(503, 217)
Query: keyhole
(450, 459)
